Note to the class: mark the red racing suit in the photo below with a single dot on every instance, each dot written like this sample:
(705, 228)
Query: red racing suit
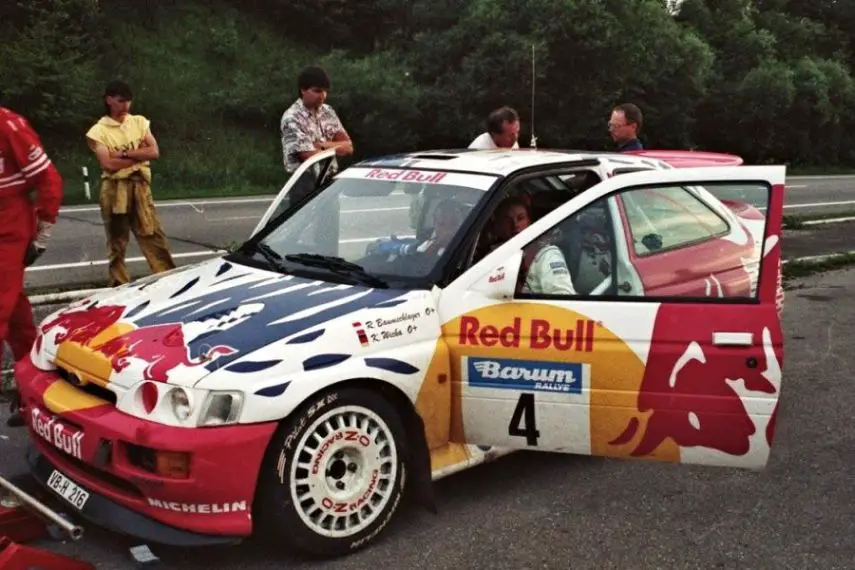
(23, 221)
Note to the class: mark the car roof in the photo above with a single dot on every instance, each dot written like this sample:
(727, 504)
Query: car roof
(690, 158)
(502, 162)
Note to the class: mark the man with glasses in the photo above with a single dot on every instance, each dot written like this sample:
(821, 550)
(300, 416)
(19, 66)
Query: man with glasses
(624, 126)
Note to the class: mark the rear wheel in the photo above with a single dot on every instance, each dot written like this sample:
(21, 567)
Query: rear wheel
(335, 473)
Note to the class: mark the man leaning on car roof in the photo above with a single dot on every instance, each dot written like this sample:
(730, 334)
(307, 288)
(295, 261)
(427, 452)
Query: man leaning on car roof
(310, 125)
(503, 131)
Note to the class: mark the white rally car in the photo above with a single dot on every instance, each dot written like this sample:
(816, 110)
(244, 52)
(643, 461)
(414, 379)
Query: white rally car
(298, 386)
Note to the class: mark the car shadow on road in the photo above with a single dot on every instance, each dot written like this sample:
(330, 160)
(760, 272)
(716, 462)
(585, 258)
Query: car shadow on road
(465, 494)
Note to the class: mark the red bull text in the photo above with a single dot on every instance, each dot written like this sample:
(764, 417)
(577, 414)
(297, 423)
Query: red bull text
(540, 334)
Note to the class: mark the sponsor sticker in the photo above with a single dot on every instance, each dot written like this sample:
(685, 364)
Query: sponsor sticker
(537, 334)
(414, 176)
(59, 435)
(513, 374)
(199, 508)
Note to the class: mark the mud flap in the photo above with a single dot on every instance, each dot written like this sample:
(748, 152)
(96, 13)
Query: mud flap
(421, 491)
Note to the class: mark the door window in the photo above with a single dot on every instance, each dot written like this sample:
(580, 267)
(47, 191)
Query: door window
(661, 219)
(653, 242)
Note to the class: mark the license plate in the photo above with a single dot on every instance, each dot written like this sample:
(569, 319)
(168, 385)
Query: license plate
(68, 490)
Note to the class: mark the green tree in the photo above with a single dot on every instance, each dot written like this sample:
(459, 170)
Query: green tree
(49, 60)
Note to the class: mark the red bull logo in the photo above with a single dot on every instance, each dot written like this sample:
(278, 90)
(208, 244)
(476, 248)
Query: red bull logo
(82, 326)
(540, 334)
(162, 346)
(693, 392)
(405, 175)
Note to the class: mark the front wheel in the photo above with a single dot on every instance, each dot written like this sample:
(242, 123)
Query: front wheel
(335, 473)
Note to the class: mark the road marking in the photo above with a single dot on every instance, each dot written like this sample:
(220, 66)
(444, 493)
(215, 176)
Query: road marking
(185, 203)
(374, 210)
(364, 240)
(818, 204)
(828, 221)
(128, 260)
(797, 186)
(234, 218)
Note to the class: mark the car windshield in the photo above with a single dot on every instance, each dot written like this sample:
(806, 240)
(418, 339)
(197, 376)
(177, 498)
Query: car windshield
(380, 223)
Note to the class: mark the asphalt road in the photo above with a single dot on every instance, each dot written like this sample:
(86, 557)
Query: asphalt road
(534, 510)
(77, 254)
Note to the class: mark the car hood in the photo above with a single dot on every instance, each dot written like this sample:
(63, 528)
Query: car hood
(178, 327)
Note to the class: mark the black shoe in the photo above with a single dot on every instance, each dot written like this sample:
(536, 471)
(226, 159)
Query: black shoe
(15, 420)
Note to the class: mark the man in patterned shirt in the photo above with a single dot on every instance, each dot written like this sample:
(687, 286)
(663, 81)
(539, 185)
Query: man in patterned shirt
(310, 126)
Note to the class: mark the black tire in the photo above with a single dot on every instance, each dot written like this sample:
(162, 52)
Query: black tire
(368, 464)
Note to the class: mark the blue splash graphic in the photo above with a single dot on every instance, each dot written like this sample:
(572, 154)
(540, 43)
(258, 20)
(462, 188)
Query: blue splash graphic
(391, 365)
(185, 288)
(323, 361)
(392, 303)
(252, 366)
(257, 331)
(308, 337)
(273, 391)
(136, 310)
(226, 266)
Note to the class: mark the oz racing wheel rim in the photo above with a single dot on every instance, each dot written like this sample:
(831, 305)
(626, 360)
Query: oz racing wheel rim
(344, 471)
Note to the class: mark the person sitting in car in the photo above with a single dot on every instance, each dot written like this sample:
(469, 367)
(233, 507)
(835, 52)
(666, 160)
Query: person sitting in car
(544, 270)
(448, 216)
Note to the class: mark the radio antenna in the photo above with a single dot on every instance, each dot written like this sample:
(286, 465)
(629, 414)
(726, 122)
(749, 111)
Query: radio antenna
(533, 79)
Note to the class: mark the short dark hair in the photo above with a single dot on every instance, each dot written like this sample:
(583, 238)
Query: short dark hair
(118, 88)
(511, 201)
(313, 76)
(497, 118)
(632, 113)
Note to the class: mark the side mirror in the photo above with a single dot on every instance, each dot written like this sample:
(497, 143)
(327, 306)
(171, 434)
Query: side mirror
(500, 282)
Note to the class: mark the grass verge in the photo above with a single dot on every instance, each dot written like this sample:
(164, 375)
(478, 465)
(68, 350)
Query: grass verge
(806, 267)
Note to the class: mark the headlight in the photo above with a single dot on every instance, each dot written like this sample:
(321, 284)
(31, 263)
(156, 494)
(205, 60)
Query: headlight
(221, 408)
(180, 402)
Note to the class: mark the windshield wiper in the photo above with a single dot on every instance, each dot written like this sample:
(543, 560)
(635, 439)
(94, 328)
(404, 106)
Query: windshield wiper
(338, 265)
(268, 253)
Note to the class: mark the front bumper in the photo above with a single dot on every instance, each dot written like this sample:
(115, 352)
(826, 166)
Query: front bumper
(93, 444)
(113, 516)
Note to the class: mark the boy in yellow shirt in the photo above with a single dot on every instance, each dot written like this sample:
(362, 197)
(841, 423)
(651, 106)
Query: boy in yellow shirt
(125, 146)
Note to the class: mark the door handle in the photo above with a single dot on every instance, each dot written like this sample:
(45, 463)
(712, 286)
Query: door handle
(732, 338)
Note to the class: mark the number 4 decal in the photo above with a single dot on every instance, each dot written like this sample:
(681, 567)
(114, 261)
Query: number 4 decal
(523, 423)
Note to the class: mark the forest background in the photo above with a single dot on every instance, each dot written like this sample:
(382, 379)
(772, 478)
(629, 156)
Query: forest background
(770, 80)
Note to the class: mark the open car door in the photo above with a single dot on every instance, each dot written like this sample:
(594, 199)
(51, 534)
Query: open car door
(311, 174)
(668, 344)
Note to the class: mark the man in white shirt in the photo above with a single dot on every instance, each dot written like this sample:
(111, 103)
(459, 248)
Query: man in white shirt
(503, 131)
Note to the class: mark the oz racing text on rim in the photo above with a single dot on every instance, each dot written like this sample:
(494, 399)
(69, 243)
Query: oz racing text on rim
(344, 471)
